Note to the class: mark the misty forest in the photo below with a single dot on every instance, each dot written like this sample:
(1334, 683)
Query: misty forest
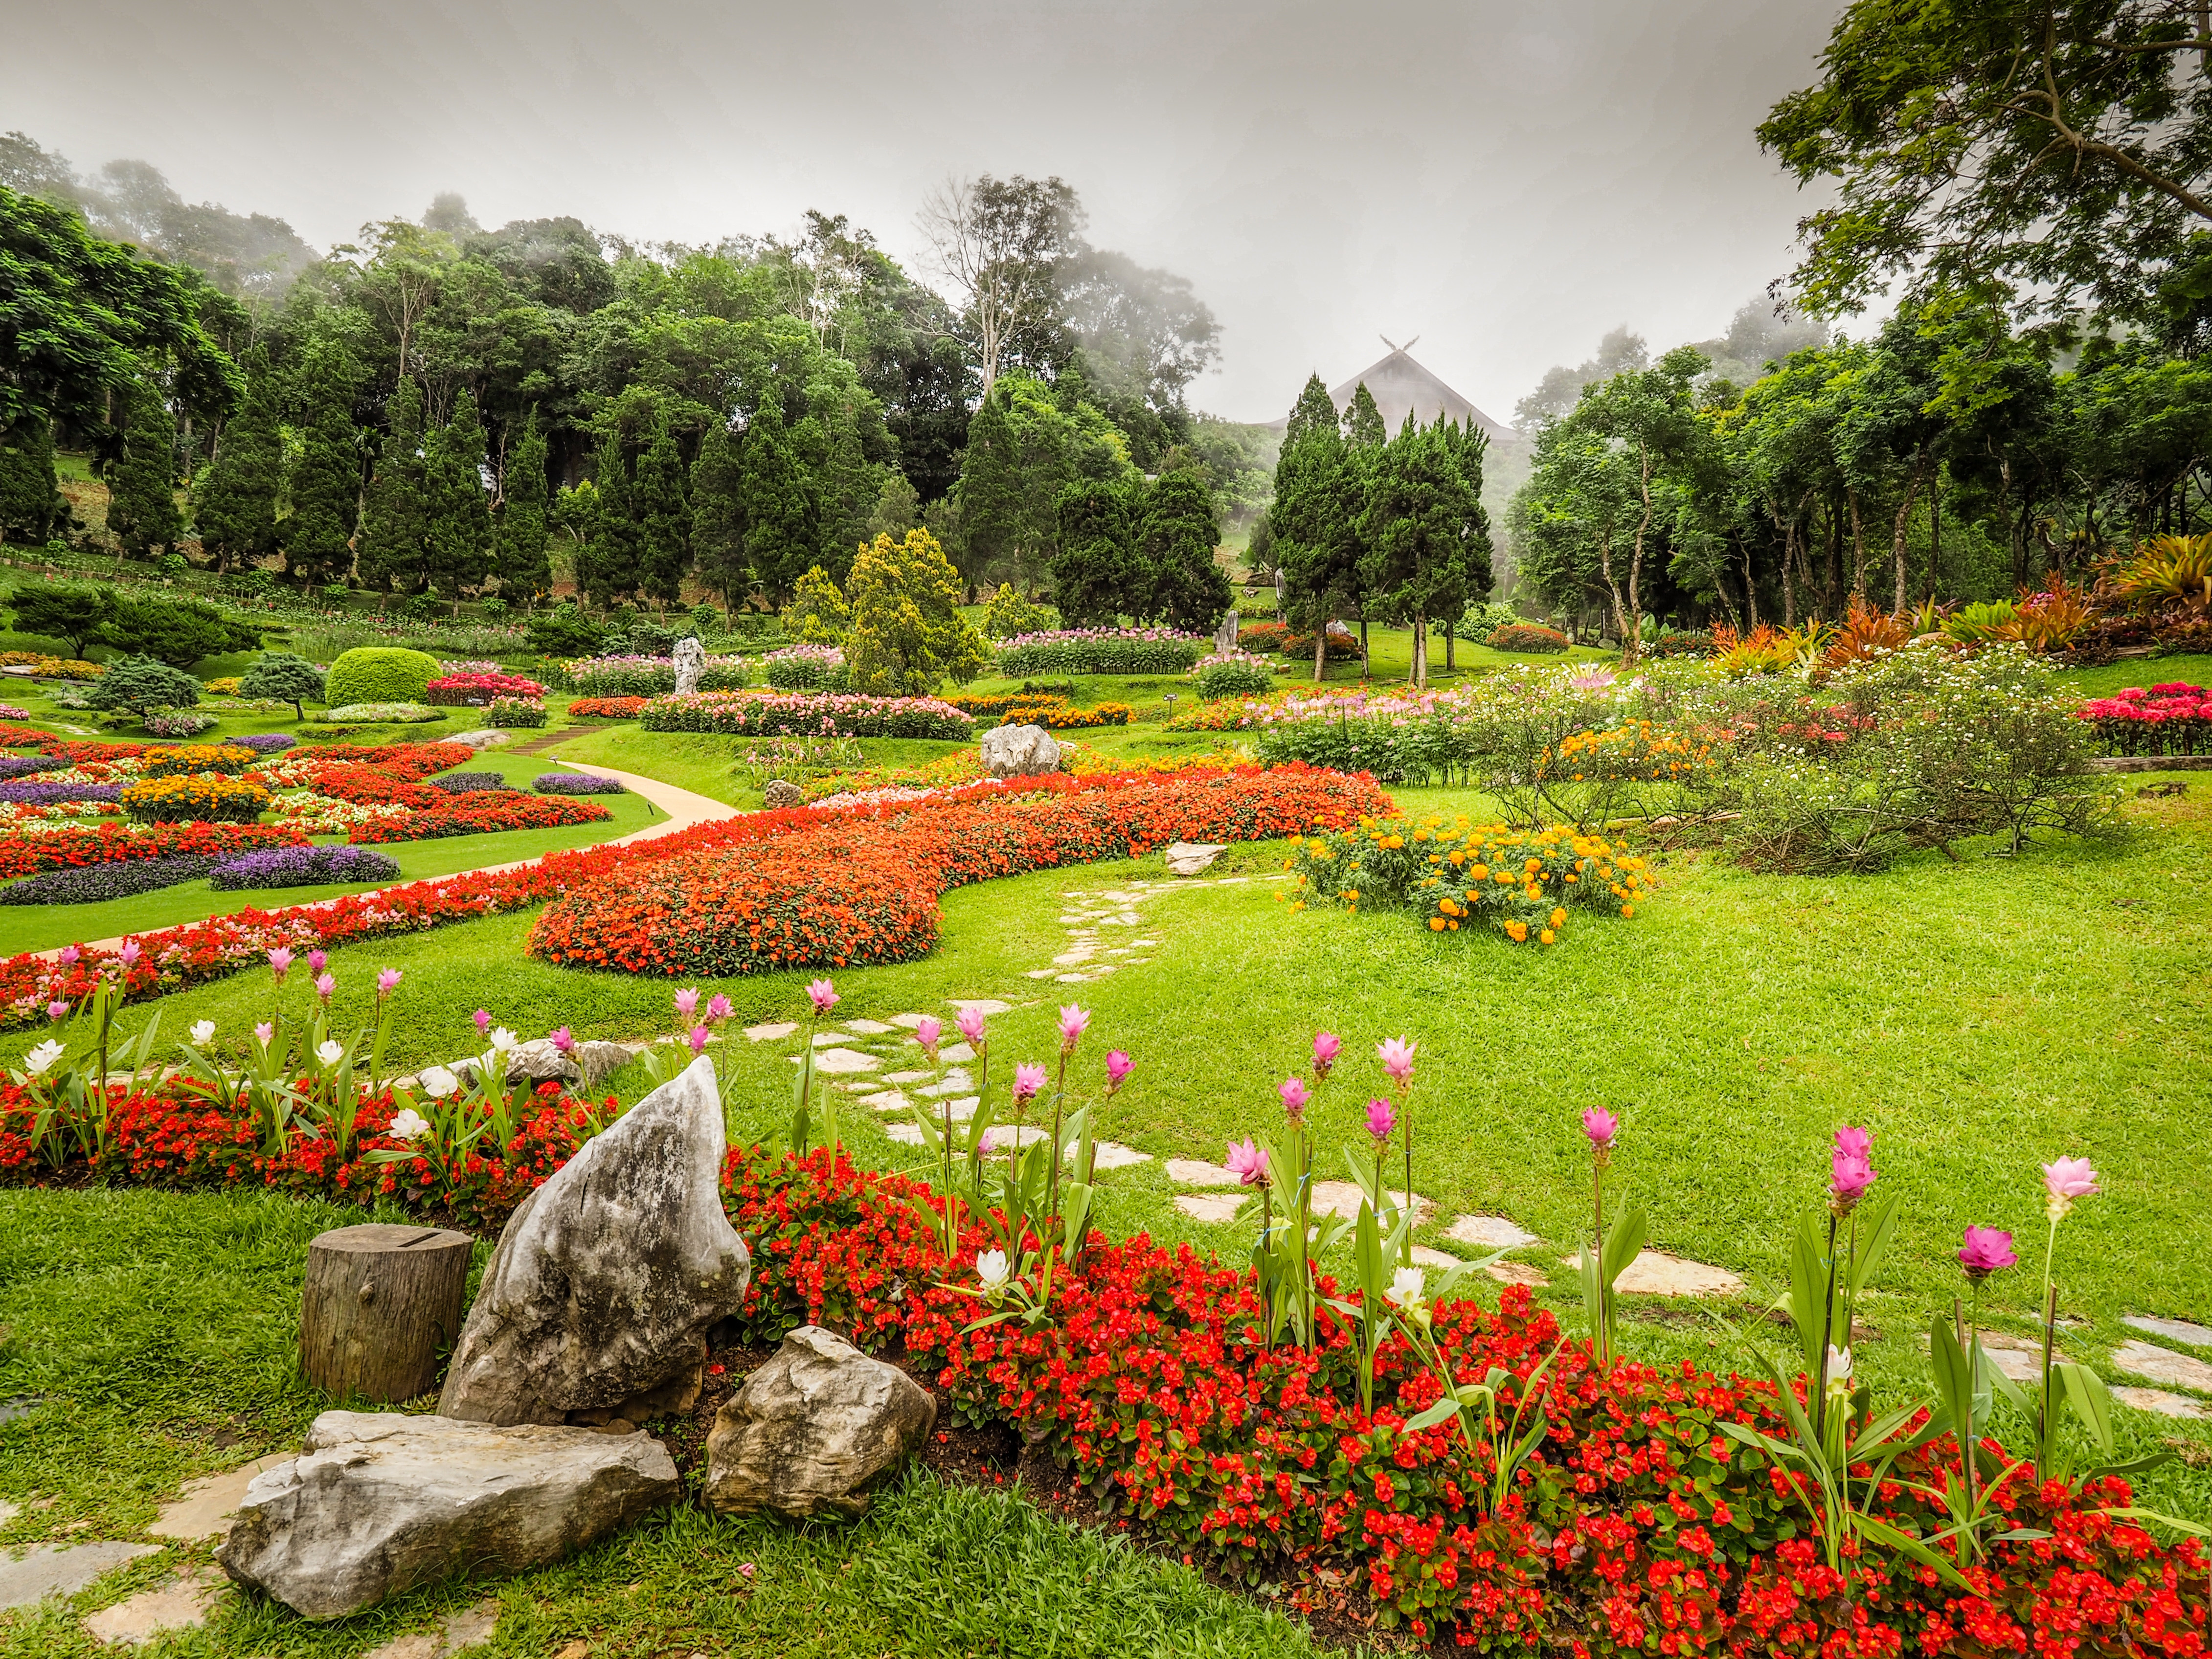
(752, 944)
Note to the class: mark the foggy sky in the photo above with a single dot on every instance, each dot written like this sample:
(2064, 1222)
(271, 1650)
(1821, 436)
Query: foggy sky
(1507, 181)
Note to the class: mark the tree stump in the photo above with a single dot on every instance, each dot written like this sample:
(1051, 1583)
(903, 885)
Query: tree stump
(381, 1306)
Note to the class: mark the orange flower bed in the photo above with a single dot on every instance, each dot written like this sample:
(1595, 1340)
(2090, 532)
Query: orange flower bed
(865, 889)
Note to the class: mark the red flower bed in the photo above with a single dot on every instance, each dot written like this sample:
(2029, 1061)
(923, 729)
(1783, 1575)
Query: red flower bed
(57, 850)
(2174, 718)
(192, 953)
(608, 708)
(865, 889)
(478, 813)
(477, 690)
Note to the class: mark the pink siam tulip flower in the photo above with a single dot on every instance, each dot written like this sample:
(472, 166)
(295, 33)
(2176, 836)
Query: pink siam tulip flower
(718, 1007)
(2068, 1179)
(483, 1018)
(1295, 1096)
(1854, 1143)
(1397, 1057)
(687, 1001)
(1326, 1046)
(129, 954)
(698, 1039)
(1985, 1251)
(316, 959)
(824, 995)
(56, 1011)
(1074, 1022)
(564, 1040)
(1381, 1119)
(971, 1021)
(1600, 1125)
(1247, 1162)
(1850, 1172)
(387, 981)
(324, 986)
(262, 1032)
(1029, 1083)
(1118, 1067)
(69, 954)
(929, 1033)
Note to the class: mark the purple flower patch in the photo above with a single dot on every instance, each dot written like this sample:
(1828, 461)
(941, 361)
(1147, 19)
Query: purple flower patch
(574, 783)
(461, 783)
(21, 766)
(304, 867)
(264, 743)
(53, 794)
(93, 883)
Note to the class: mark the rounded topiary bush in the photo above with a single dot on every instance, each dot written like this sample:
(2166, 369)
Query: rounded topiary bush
(1528, 637)
(837, 903)
(379, 673)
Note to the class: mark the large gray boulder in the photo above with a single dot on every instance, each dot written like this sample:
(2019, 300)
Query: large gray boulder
(481, 740)
(379, 1502)
(815, 1431)
(607, 1278)
(1019, 751)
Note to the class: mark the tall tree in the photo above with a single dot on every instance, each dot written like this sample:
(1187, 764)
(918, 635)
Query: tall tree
(31, 502)
(1096, 573)
(780, 534)
(325, 485)
(395, 518)
(663, 518)
(718, 515)
(457, 543)
(1314, 505)
(234, 498)
(907, 634)
(1364, 427)
(606, 553)
(1423, 521)
(141, 503)
(1000, 244)
(1183, 587)
(520, 536)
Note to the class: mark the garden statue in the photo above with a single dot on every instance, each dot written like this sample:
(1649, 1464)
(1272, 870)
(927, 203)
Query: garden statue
(690, 661)
(1224, 634)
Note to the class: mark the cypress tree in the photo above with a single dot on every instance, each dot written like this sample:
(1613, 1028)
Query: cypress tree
(235, 499)
(993, 509)
(1183, 587)
(392, 518)
(780, 516)
(1096, 574)
(1312, 413)
(525, 569)
(326, 479)
(1364, 427)
(31, 503)
(457, 538)
(663, 518)
(141, 502)
(718, 515)
(606, 557)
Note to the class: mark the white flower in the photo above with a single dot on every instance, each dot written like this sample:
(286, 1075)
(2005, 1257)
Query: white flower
(1408, 1288)
(409, 1125)
(991, 1267)
(503, 1041)
(437, 1082)
(203, 1032)
(1839, 1371)
(35, 1062)
(330, 1053)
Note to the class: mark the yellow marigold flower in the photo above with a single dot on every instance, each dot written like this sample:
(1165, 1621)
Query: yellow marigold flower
(1559, 917)
(1458, 855)
(1518, 931)
(1546, 936)
(1628, 910)
(1571, 876)
(1436, 923)
(1481, 873)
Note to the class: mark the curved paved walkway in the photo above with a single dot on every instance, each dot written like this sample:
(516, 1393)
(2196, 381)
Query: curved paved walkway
(683, 808)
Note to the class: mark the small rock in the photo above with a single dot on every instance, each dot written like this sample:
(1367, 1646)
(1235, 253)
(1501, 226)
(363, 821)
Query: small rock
(1112, 1155)
(2163, 1365)
(181, 1604)
(1344, 1198)
(771, 1033)
(869, 1027)
(986, 1006)
(481, 740)
(2159, 1400)
(1190, 857)
(959, 1054)
(838, 1062)
(1492, 1232)
(814, 1431)
(1210, 1206)
(1019, 752)
(781, 794)
(1197, 1172)
(205, 1508)
(2174, 1330)
(60, 1569)
(379, 1502)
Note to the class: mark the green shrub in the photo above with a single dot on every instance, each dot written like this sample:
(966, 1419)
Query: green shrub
(280, 676)
(1486, 618)
(382, 713)
(1528, 637)
(1233, 677)
(379, 673)
(564, 631)
(1007, 613)
(138, 684)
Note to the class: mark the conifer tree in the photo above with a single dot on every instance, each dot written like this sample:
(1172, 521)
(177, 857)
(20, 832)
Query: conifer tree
(1312, 413)
(1183, 587)
(718, 515)
(458, 539)
(1364, 427)
(663, 518)
(1096, 574)
(393, 517)
(606, 553)
(780, 516)
(234, 498)
(525, 569)
(141, 502)
(31, 502)
(907, 634)
(326, 479)
(1310, 518)
(993, 511)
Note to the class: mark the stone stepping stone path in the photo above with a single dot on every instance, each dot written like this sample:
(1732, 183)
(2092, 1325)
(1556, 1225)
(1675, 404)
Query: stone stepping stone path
(2020, 1357)
(1087, 913)
(1490, 1232)
(181, 1604)
(959, 1054)
(2156, 1364)
(772, 1033)
(1215, 1207)
(1655, 1273)
(1197, 1172)
(836, 1063)
(1342, 1198)
(2173, 1330)
(61, 1568)
(870, 1027)
(2163, 1403)
(469, 1628)
(206, 1508)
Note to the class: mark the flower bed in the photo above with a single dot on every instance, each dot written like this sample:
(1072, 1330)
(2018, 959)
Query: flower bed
(515, 714)
(1528, 637)
(575, 783)
(108, 843)
(96, 884)
(24, 766)
(50, 795)
(805, 667)
(640, 677)
(766, 715)
(1232, 674)
(302, 866)
(1101, 651)
(199, 797)
(180, 722)
(474, 688)
(862, 890)
(187, 759)
(382, 713)
(312, 814)
(608, 708)
(461, 783)
(487, 813)
(263, 743)
(2173, 719)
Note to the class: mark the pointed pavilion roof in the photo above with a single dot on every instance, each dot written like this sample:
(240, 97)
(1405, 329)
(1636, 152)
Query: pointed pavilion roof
(1400, 386)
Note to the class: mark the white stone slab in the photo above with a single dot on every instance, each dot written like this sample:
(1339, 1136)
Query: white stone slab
(2156, 1364)
(2173, 1330)
(206, 1508)
(961, 1109)
(869, 1027)
(9, 1511)
(181, 1604)
(888, 1100)
(1004, 1137)
(1491, 1233)
(61, 1568)
(957, 1054)
(1655, 1273)
(782, 1028)
(1197, 1172)
(908, 1077)
(1426, 1257)
(1074, 979)
(471, 1627)
(1075, 957)
(830, 1039)
(983, 1005)
(1144, 943)
(909, 1021)
(908, 1134)
(1112, 1155)
(1343, 1198)
(1041, 973)
(2159, 1400)
(1517, 1273)
(834, 1062)
(953, 1083)
(1215, 1207)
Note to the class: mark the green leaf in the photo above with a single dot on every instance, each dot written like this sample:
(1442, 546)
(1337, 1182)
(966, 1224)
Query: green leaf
(1809, 1292)
(1623, 1242)
(1954, 1381)
(1882, 1533)
(1875, 1231)
(1443, 1411)
(2092, 1402)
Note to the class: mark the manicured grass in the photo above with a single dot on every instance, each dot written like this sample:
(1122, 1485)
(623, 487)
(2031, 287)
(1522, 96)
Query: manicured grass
(707, 764)
(2146, 671)
(160, 1331)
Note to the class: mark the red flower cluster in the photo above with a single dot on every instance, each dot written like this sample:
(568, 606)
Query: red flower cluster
(864, 890)
(478, 690)
(476, 813)
(607, 708)
(2174, 718)
(104, 843)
